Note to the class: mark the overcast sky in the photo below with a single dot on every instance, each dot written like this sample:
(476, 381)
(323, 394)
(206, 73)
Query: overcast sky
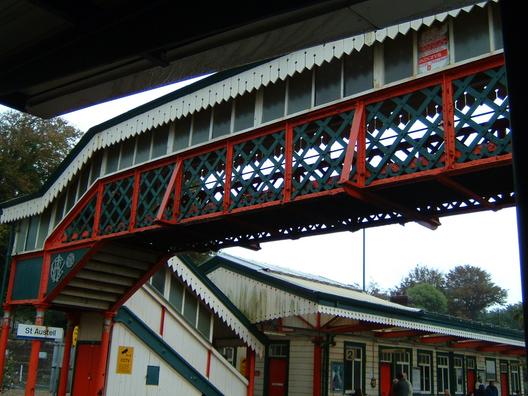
(486, 239)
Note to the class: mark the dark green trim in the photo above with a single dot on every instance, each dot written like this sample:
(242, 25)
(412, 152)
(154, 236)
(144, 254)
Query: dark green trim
(223, 298)
(336, 301)
(363, 363)
(431, 365)
(26, 283)
(87, 137)
(7, 262)
(165, 352)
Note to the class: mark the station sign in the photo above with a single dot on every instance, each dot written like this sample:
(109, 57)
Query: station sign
(39, 332)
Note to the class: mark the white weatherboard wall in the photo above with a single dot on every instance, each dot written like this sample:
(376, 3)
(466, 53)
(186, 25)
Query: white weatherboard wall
(170, 382)
(300, 378)
(259, 379)
(187, 342)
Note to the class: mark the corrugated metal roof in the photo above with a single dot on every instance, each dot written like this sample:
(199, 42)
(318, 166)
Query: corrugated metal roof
(317, 283)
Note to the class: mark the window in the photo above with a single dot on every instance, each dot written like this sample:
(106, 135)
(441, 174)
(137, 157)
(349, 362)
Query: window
(190, 307)
(273, 101)
(300, 92)
(359, 75)
(470, 363)
(204, 321)
(353, 367)
(176, 294)
(96, 166)
(328, 82)
(497, 26)
(278, 350)
(471, 34)
(32, 233)
(222, 119)
(112, 159)
(515, 378)
(424, 364)
(159, 141)
(229, 353)
(245, 111)
(181, 133)
(398, 58)
(491, 370)
(158, 280)
(458, 364)
(43, 227)
(402, 363)
(442, 374)
(83, 183)
(201, 126)
(143, 147)
(127, 153)
(59, 208)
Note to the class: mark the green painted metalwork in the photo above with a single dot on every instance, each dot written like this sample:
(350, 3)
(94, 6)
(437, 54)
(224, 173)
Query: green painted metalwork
(258, 171)
(482, 118)
(404, 134)
(152, 186)
(81, 226)
(27, 279)
(319, 149)
(116, 206)
(61, 264)
(203, 184)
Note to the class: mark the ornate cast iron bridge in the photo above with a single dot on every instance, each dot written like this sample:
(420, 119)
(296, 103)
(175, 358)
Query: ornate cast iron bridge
(432, 147)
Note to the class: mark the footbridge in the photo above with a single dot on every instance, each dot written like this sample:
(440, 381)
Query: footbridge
(415, 152)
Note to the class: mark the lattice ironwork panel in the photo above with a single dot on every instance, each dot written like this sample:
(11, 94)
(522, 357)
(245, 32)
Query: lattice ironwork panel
(152, 187)
(319, 149)
(203, 184)
(116, 206)
(482, 118)
(258, 171)
(404, 135)
(81, 226)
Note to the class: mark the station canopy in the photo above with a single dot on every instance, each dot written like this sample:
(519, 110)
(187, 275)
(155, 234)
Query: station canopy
(58, 56)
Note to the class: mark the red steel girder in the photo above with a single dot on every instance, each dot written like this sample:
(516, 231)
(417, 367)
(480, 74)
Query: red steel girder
(399, 333)
(469, 344)
(449, 182)
(356, 328)
(495, 348)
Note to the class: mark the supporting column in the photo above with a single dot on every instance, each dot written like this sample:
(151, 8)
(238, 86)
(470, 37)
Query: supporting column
(6, 326)
(250, 371)
(316, 388)
(34, 356)
(100, 376)
(65, 368)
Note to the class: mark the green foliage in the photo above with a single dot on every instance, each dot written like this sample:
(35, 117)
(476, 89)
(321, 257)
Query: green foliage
(510, 316)
(470, 291)
(428, 297)
(421, 274)
(375, 290)
(30, 150)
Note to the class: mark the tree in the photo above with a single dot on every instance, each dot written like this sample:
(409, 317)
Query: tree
(511, 316)
(428, 297)
(421, 274)
(470, 291)
(30, 150)
(375, 290)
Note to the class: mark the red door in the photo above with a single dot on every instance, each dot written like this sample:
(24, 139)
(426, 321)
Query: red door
(505, 387)
(385, 379)
(470, 381)
(86, 365)
(278, 377)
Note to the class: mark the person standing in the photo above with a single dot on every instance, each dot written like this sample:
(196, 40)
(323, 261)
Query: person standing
(491, 389)
(409, 384)
(400, 388)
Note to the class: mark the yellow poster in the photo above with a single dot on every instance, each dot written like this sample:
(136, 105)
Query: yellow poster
(125, 356)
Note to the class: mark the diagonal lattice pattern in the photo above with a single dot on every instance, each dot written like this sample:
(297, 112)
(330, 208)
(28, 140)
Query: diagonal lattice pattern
(203, 184)
(482, 118)
(116, 206)
(258, 171)
(81, 226)
(319, 149)
(152, 186)
(404, 134)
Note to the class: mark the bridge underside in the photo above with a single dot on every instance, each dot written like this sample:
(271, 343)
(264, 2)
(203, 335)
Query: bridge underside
(432, 147)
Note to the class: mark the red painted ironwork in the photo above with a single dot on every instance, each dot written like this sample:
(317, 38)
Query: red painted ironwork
(357, 126)
(6, 325)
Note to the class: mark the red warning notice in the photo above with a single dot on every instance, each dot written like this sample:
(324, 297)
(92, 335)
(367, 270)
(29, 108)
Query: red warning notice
(433, 48)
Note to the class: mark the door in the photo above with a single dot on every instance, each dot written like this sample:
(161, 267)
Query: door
(385, 379)
(505, 386)
(86, 365)
(470, 374)
(278, 376)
